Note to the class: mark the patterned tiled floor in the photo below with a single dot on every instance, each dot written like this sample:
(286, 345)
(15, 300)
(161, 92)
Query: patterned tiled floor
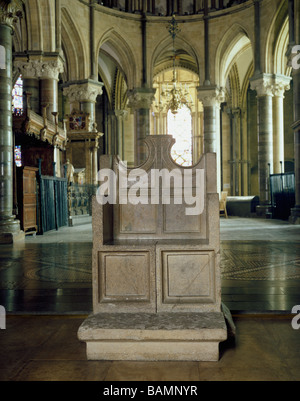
(247, 260)
(52, 273)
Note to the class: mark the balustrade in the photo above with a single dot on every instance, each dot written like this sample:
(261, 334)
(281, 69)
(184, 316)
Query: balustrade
(168, 7)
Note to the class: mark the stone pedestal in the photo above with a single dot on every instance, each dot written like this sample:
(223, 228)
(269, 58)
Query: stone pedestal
(154, 337)
(156, 263)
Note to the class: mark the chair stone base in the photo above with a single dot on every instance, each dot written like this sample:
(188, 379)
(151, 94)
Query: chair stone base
(153, 337)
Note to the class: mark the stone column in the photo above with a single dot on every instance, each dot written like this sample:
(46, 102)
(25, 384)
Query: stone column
(30, 83)
(88, 161)
(263, 85)
(245, 171)
(41, 80)
(48, 71)
(94, 162)
(234, 116)
(140, 100)
(211, 98)
(295, 213)
(9, 226)
(121, 116)
(281, 84)
(84, 93)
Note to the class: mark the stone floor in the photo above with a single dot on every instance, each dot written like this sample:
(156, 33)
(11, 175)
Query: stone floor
(45, 286)
(46, 348)
(260, 266)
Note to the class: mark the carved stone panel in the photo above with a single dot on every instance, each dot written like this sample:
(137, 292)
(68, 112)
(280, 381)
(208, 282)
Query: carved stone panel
(125, 279)
(177, 222)
(138, 219)
(185, 279)
(124, 276)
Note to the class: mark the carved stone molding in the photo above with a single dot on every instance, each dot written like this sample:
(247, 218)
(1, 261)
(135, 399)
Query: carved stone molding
(281, 84)
(50, 69)
(27, 69)
(10, 12)
(121, 114)
(83, 91)
(270, 85)
(263, 84)
(35, 125)
(47, 69)
(211, 95)
(141, 98)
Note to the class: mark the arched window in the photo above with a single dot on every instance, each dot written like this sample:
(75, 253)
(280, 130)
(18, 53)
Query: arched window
(17, 97)
(180, 127)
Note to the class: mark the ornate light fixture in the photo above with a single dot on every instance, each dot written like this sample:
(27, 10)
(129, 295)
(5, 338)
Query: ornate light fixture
(176, 96)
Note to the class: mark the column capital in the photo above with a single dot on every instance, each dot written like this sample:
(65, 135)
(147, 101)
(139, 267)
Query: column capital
(83, 91)
(281, 84)
(210, 95)
(26, 68)
(263, 84)
(270, 84)
(122, 114)
(40, 68)
(10, 12)
(141, 98)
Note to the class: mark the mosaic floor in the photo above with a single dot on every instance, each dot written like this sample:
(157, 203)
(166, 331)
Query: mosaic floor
(247, 260)
(52, 273)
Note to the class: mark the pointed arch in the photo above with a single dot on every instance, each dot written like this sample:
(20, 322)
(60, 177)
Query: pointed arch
(281, 65)
(235, 86)
(120, 92)
(161, 62)
(114, 45)
(73, 48)
(277, 43)
(17, 37)
(245, 86)
(234, 43)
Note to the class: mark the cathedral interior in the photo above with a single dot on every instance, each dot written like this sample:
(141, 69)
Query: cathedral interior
(82, 79)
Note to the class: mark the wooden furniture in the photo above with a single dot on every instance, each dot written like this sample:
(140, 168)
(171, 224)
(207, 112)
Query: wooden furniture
(27, 198)
(223, 201)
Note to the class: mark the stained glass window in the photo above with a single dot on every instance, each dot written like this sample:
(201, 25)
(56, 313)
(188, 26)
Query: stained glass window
(180, 127)
(17, 97)
(18, 156)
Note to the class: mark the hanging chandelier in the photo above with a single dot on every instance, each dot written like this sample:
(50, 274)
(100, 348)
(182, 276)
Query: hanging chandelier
(177, 96)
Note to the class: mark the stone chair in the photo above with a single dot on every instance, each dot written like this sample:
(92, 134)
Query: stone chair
(156, 269)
